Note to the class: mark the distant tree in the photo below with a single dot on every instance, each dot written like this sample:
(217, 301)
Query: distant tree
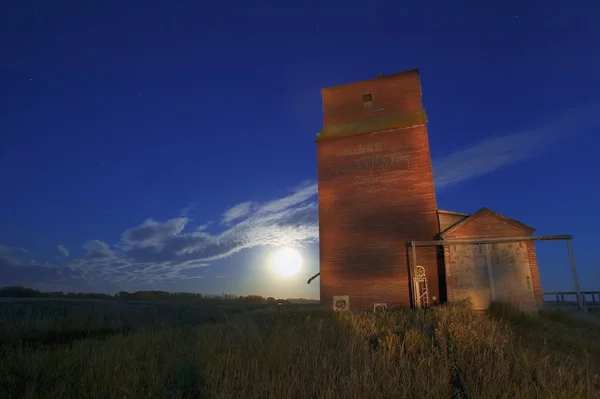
(18, 291)
(255, 299)
(302, 300)
(123, 295)
(188, 297)
(84, 295)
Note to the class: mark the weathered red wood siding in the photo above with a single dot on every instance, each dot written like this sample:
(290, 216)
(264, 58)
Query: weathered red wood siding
(376, 192)
(487, 225)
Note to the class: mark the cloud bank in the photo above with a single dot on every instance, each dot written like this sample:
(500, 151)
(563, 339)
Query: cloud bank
(497, 152)
(177, 249)
(17, 267)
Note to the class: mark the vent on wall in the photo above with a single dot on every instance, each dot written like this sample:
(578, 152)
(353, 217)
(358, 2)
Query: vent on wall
(367, 100)
(341, 303)
(379, 307)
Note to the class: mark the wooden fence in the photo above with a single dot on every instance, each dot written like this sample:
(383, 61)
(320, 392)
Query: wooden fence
(569, 300)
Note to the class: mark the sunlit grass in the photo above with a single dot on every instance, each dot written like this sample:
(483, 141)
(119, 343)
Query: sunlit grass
(440, 353)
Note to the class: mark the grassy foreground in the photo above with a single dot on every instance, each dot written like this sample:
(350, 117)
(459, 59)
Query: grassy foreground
(168, 351)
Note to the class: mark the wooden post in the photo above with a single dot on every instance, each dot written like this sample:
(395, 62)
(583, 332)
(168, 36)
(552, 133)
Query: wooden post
(414, 275)
(488, 262)
(575, 278)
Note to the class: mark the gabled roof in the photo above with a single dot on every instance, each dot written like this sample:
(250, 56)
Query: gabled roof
(453, 213)
(439, 212)
(480, 212)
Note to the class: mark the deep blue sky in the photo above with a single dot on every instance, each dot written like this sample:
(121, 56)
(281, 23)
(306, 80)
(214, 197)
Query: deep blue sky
(128, 132)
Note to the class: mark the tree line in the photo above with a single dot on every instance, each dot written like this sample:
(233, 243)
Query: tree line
(24, 292)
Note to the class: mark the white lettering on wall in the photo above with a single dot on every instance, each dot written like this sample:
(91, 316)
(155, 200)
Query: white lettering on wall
(360, 149)
(371, 163)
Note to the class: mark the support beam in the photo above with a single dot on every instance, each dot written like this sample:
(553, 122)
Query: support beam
(582, 306)
(490, 240)
(417, 301)
(486, 241)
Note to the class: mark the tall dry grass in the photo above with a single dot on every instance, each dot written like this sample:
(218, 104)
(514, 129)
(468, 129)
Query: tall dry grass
(444, 352)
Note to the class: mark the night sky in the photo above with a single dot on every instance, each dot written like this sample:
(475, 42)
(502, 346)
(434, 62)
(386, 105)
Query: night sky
(169, 145)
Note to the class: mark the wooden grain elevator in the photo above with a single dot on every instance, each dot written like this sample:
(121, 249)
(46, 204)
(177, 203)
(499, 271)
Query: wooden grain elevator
(376, 192)
(383, 242)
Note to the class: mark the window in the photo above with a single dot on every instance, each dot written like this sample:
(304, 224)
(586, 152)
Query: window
(367, 100)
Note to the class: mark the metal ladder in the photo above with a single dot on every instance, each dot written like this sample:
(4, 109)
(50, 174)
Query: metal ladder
(422, 293)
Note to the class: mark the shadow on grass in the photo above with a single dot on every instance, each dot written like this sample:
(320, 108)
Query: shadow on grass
(568, 334)
(447, 352)
(51, 338)
(185, 382)
(379, 342)
(67, 337)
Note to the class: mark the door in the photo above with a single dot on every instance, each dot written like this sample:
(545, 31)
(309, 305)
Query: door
(512, 274)
(469, 275)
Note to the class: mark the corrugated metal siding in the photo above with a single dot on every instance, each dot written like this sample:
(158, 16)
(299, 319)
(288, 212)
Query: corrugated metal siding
(376, 192)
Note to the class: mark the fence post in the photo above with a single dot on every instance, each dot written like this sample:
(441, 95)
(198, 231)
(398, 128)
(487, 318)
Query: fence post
(414, 275)
(575, 278)
(488, 262)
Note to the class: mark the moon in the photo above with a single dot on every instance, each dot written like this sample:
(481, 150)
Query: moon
(287, 262)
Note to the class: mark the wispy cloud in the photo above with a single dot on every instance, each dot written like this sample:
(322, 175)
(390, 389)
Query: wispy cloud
(98, 250)
(203, 226)
(152, 234)
(24, 271)
(186, 212)
(287, 220)
(499, 151)
(237, 212)
(179, 249)
(8, 250)
(63, 250)
(13, 257)
(174, 249)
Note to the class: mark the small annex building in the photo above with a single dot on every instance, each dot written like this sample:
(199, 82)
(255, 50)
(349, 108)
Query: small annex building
(503, 271)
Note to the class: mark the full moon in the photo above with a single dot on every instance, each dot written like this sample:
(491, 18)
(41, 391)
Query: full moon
(287, 262)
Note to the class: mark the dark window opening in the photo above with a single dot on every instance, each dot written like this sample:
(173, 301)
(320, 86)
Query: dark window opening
(367, 99)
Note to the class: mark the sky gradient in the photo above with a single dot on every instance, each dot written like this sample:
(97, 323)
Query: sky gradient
(170, 145)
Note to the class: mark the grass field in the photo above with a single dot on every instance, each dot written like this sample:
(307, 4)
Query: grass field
(110, 349)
